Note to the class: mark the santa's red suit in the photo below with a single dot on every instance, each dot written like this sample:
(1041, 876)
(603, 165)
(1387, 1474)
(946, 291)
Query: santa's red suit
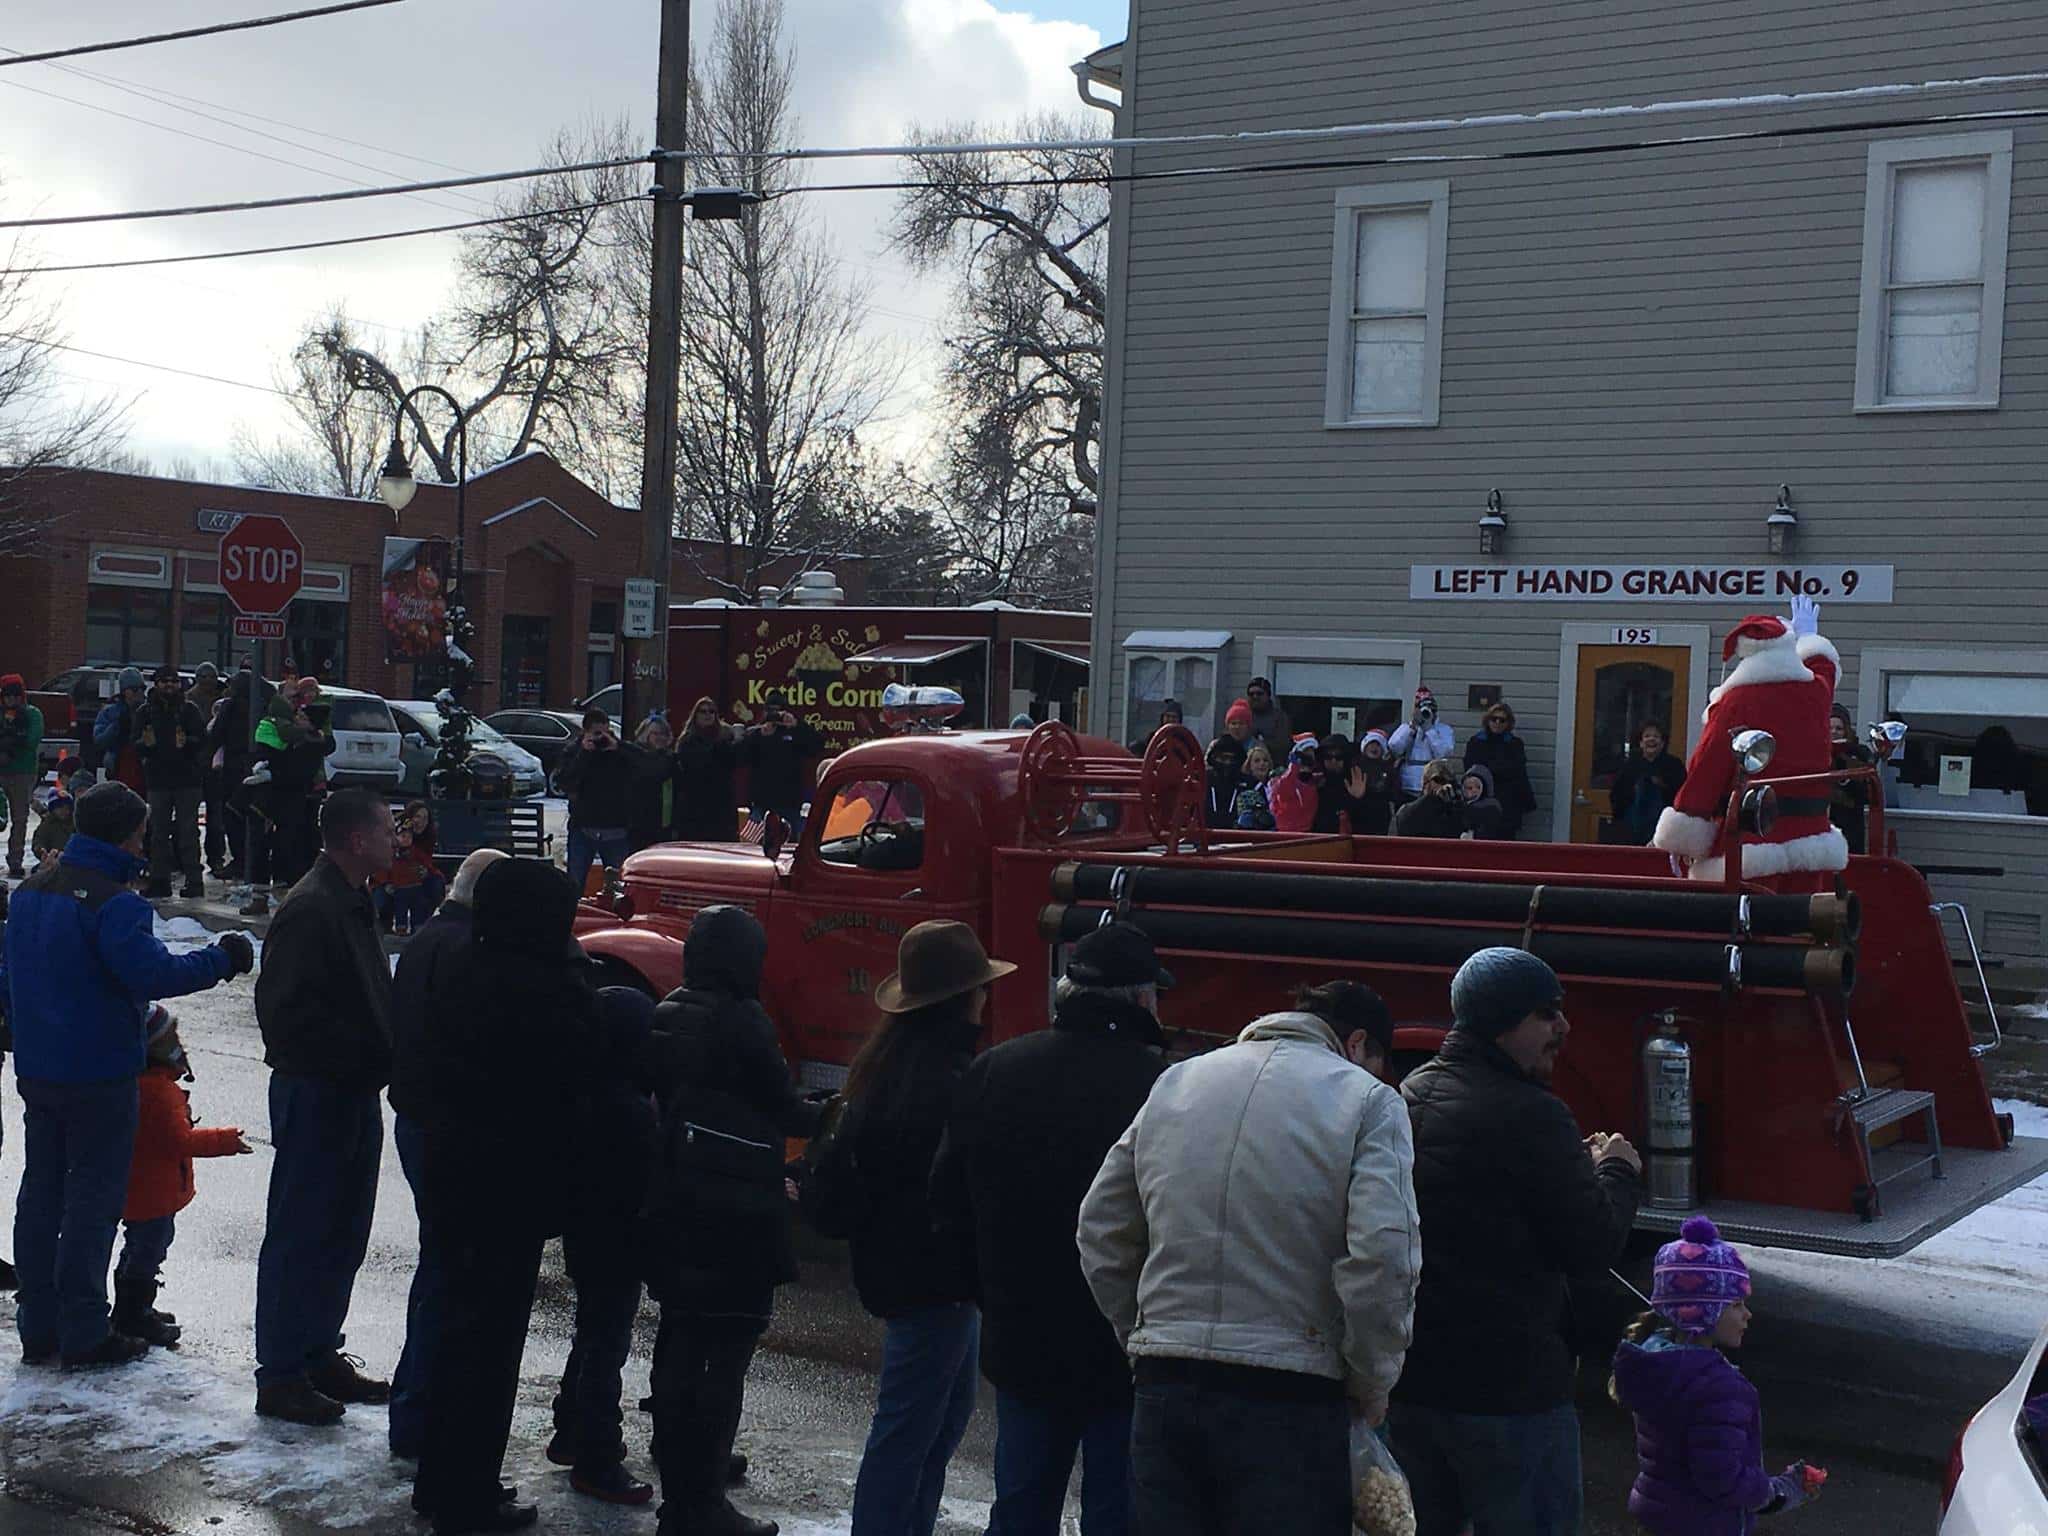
(1783, 683)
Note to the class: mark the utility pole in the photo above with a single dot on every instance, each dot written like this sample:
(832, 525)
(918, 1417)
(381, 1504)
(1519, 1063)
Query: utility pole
(646, 679)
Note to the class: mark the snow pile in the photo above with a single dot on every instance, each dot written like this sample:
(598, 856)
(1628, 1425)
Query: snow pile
(182, 935)
(131, 1422)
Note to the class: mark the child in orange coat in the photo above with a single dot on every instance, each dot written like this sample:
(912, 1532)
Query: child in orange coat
(160, 1182)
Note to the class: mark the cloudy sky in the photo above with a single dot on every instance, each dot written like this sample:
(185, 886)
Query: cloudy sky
(410, 92)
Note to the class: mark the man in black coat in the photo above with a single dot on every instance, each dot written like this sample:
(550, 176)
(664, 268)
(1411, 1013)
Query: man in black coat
(428, 955)
(171, 741)
(515, 1038)
(718, 1239)
(597, 775)
(776, 754)
(1032, 1121)
(323, 1000)
(1513, 1201)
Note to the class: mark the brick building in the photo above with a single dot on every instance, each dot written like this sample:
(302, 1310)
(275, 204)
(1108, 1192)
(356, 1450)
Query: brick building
(127, 573)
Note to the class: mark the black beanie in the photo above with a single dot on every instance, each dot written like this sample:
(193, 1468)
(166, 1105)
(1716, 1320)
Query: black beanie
(110, 812)
(527, 906)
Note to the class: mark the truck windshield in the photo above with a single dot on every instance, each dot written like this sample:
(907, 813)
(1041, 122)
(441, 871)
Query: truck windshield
(874, 824)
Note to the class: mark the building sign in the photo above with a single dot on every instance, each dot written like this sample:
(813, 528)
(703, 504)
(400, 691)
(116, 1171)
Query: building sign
(798, 657)
(1635, 634)
(209, 521)
(637, 623)
(256, 627)
(415, 599)
(1756, 585)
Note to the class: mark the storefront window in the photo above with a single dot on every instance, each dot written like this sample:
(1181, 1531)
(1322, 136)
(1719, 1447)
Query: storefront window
(205, 627)
(523, 662)
(1153, 679)
(1346, 696)
(127, 626)
(316, 637)
(1974, 742)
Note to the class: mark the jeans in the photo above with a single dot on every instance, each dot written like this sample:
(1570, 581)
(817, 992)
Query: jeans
(77, 1142)
(1513, 1474)
(405, 907)
(700, 1379)
(174, 833)
(144, 1247)
(922, 1405)
(603, 1268)
(328, 1140)
(1211, 1461)
(1035, 1448)
(611, 844)
(425, 1305)
(17, 787)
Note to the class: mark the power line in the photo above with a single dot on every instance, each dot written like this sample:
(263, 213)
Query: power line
(1596, 116)
(317, 245)
(306, 198)
(189, 32)
(136, 362)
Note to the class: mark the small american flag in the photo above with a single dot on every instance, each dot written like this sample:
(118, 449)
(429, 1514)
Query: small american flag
(753, 831)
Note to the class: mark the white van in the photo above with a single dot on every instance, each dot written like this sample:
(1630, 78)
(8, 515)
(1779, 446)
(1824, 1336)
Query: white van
(366, 742)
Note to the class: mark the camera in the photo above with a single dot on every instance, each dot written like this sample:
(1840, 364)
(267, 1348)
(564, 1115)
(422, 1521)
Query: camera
(1425, 715)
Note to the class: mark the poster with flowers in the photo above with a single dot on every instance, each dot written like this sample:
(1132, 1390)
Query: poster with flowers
(415, 599)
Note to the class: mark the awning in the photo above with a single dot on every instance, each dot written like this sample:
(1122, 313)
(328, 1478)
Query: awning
(1176, 639)
(1070, 651)
(912, 653)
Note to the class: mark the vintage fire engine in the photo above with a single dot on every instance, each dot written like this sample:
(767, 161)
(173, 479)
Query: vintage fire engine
(1798, 1064)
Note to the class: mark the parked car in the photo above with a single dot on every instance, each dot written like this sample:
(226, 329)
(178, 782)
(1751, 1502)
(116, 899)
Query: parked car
(1995, 1483)
(419, 727)
(611, 700)
(546, 733)
(366, 745)
(75, 692)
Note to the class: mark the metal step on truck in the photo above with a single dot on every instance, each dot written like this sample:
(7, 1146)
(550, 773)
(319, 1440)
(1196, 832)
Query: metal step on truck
(1797, 1064)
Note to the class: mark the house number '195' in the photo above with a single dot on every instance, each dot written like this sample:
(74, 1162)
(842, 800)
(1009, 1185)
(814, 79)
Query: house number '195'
(1634, 634)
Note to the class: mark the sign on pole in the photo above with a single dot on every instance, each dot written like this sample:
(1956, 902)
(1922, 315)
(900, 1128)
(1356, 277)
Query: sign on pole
(250, 627)
(262, 564)
(637, 623)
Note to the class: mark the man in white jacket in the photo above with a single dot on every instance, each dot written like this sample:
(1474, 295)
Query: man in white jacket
(1419, 741)
(1252, 1239)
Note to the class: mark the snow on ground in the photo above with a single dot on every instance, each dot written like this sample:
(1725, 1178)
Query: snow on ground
(182, 935)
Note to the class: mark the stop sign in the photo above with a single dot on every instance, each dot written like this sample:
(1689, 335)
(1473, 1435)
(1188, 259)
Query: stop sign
(262, 563)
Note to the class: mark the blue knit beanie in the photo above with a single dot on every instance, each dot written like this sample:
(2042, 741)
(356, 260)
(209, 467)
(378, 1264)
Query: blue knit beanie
(1497, 988)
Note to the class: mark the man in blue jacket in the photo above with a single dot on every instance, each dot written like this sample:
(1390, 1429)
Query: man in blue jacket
(83, 966)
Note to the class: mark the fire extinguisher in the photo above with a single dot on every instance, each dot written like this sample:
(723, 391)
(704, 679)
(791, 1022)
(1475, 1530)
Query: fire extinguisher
(1669, 1166)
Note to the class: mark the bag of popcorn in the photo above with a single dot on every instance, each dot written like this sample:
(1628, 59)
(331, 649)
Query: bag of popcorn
(1381, 1504)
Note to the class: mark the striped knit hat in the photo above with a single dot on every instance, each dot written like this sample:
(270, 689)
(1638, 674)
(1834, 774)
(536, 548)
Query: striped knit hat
(1697, 1277)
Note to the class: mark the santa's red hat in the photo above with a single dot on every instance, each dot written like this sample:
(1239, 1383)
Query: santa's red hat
(1754, 634)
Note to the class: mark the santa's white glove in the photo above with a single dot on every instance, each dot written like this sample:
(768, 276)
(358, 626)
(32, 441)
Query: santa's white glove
(1805, 616)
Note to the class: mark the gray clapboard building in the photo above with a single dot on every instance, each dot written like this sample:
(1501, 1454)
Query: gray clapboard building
(1540, 409)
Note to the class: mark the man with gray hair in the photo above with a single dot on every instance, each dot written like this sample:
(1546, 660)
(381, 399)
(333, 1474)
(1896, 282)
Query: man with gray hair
(1031, 1122)
(442, 937)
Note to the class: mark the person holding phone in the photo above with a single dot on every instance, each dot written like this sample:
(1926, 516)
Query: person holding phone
(777, 753)
(597, 775)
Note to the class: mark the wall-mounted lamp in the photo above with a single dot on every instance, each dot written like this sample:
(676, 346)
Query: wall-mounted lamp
(1782, 526)
(1493, 526)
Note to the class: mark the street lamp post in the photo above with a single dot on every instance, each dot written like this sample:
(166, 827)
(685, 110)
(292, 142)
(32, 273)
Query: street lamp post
(450, 774)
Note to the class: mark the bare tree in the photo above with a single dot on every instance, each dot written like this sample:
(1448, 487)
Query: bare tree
(1026, 235)
(337, 444)
(39, 426)
(532, 346)
(778, 377)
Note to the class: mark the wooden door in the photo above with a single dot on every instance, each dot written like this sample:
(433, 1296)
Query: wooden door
(1622, 688)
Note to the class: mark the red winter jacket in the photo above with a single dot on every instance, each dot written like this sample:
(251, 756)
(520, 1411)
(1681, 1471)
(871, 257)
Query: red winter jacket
(166, 1141)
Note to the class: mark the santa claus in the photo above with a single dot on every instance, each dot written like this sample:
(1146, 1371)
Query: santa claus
(1783, 682)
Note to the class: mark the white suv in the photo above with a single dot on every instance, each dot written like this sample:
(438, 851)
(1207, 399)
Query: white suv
(366, 744)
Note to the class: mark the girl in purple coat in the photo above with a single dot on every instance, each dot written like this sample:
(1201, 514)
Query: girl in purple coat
(1699, 1428)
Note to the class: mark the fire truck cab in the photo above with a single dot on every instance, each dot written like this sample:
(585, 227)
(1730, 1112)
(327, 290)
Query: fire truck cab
(1712, 1024)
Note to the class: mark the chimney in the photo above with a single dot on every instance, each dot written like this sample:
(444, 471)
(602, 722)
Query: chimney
(816, 589)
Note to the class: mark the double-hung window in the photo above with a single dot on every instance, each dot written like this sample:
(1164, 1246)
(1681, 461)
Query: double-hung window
(1387, 305)
(1933, 310)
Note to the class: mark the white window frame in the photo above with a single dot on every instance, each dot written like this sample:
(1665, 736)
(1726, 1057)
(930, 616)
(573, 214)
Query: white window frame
(1167, 649)
(1351, 202)
(1269, 651)
(1874, 679)
(1887, 156)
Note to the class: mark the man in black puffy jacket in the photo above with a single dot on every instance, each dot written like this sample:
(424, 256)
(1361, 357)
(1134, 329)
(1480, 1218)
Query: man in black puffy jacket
(717, 1236)
(171, 741)
(1513, 1201)
(1032, 1121)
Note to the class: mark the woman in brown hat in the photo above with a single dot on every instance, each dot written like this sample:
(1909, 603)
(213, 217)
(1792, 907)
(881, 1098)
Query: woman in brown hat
(899, 1093)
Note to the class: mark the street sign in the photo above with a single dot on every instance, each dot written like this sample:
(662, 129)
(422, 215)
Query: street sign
(262, 564)
(637, 623)
(251, 627)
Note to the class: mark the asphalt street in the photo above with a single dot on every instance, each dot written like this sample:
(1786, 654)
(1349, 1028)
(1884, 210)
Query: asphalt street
(172, 1447)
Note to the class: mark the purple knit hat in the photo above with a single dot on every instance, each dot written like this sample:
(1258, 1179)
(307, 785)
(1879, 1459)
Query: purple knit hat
(1697, 1277)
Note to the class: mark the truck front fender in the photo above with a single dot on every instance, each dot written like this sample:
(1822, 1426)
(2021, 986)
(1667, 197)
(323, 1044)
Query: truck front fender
(637, 956)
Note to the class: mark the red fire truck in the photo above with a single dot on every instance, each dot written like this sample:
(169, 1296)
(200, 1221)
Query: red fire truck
(1798, 1065)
